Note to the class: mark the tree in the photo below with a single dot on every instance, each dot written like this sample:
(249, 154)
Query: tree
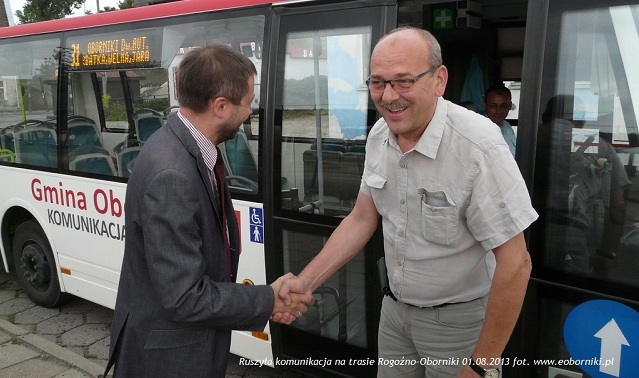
(124, 4)
(42, 10)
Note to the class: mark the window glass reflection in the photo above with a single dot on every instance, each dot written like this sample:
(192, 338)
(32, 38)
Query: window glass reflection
(586, 184)
(339, 311)
(325, 103)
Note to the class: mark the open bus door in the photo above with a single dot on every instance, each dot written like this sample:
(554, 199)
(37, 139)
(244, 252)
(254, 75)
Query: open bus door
(580, 315)
(322, 113)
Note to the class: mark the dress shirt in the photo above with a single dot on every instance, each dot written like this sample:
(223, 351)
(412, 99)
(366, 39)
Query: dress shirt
(509, 135)
(209, 152)
(444, 205)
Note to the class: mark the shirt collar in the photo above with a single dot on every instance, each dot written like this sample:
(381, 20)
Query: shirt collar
(429, 142)
(207, 148)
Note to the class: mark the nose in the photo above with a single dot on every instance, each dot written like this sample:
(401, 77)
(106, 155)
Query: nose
(389, 94)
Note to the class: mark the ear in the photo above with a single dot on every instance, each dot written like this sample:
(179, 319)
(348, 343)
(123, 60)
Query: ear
(219, 106)
(441, 80)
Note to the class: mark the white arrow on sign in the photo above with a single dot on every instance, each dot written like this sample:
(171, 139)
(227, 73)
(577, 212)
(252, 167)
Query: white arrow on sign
(611, 341)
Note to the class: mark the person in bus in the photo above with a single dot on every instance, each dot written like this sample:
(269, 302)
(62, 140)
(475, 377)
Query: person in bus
(581, 184)
(453, 207)
(498, 102)
(177, 298)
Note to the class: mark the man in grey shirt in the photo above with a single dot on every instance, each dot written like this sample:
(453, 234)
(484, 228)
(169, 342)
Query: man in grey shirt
(453, 206)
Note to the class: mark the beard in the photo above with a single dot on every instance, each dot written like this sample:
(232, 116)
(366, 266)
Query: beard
(229, 132)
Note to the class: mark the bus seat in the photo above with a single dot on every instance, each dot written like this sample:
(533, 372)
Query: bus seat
(147, 121)
(331, 161)
(170, 109)
(331, 146)
(30, 123)
(97, 162)
(352, 168)
(82, 131)
(240, 165)
(239, 159)
(125, 159)
(7, 139)
(36, 146)
(357, 147)
(128, 142)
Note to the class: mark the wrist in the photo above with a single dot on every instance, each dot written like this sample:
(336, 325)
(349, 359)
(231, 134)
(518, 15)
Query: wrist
(305, 282)
(483, 368)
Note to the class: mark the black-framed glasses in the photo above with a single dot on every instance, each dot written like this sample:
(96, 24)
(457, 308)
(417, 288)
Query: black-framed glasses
(399, 85)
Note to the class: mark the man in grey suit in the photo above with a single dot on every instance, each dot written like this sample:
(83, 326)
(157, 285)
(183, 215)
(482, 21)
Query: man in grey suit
(177, 301)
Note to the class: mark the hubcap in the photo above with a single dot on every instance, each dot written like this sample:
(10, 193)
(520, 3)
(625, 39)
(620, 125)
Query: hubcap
(35, 266)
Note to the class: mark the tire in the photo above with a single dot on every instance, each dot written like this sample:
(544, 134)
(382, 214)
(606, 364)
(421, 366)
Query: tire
(35, 267)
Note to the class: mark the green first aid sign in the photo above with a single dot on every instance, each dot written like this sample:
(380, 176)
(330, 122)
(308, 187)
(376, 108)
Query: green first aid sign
(443, 18)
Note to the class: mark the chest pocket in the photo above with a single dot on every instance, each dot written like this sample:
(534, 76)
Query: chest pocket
(439, 217)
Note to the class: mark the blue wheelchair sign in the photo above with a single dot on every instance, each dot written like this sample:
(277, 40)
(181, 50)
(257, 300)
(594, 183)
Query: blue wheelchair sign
(256, 225)
(602, 338)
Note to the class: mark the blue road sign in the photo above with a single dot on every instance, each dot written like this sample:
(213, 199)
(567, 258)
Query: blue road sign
(602, 338)
(256, 225)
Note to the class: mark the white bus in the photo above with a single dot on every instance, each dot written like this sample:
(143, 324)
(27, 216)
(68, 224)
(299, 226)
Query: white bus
(80, 96)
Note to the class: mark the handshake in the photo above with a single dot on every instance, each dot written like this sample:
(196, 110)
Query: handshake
(291, 298)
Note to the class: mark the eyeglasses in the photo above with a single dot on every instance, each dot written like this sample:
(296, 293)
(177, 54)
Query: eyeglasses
(399, 85)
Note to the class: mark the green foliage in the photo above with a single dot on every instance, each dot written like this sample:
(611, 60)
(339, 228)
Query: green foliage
(158, 104)
(116, 111)
(43, 10)
(106, 98)
(301, 93)
(125, 4)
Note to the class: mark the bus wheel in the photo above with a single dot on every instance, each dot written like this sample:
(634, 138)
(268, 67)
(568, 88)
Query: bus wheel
(35, 266)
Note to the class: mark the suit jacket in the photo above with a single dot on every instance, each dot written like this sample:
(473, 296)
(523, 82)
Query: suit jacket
(175, 309)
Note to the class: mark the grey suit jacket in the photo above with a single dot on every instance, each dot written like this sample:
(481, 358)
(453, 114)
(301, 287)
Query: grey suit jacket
(174, 310)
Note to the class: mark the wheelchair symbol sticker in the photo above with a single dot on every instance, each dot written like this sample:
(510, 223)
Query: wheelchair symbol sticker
(256, 225)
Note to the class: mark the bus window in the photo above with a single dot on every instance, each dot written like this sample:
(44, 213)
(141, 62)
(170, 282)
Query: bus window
(84, 140)
(244, 34)
(28, 70)
(325, 120)
(588, 139)
(123, 88)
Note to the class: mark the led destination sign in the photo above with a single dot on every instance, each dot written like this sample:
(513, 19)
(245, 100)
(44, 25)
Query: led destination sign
(97, 52)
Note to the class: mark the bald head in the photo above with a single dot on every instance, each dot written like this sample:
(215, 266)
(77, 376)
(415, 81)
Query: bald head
(414, 38)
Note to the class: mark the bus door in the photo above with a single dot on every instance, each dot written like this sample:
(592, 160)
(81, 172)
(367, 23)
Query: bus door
(580, 317)
(322, 113)
(482, 44)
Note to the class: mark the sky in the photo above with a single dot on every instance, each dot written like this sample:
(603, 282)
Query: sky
(89, 5)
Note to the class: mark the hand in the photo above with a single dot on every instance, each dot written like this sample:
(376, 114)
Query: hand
(290, 285)
(287, 312)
